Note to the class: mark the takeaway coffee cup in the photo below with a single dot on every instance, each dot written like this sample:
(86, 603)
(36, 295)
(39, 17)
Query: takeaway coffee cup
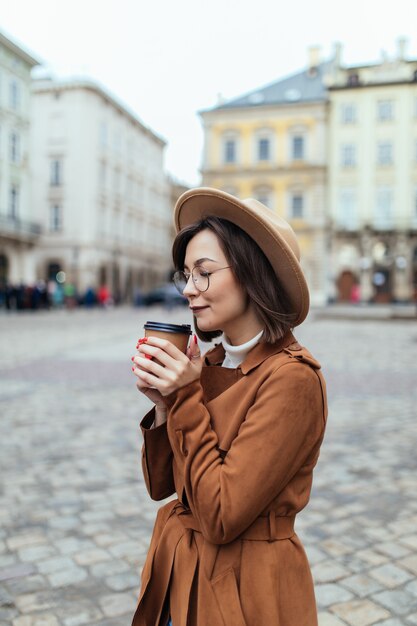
(178, 334)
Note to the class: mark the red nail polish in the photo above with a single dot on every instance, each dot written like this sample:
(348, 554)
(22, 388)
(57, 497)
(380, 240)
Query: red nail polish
(132, 358)
(195, 339)
(133, 369)
(148, 356)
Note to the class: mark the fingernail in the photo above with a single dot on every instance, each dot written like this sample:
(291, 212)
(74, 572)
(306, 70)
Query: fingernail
(132, 358)
(148, 356)
(133, 369)
(195, 339)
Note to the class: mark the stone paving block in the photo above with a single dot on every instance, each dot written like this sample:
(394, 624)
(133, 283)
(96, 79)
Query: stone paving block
(390, 622)
(411, 619)
(15, 542)
(109, 568)
(32, 602)
(125, 549)
(327, 619)
(89, 557)
(121, 582)
(412, 587)
(66, 522)
(373, 558)
(392, 549)
(36, 553)
(329, 594)
(66, 577)
(16, 571)
(329, 571)
(409, 541)
(69, 545)
(45, 619)
(28, 584)
(6, 560)
(7, 614)
(117, 604)
(409, 563)
(361, 585)
(104, 540)
(82, 613)
(396, 600)
(360, 612)
(390, 575)
(55, 564)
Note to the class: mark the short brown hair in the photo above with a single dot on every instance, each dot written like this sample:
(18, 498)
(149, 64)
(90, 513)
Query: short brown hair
(252, 270)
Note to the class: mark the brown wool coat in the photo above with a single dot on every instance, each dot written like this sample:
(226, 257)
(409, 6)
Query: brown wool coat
(239, 450)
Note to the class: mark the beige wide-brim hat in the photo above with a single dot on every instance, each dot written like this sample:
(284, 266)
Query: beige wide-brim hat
(273, 235)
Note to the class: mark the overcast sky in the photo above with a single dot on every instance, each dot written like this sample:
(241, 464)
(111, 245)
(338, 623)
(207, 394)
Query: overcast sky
(167, 59)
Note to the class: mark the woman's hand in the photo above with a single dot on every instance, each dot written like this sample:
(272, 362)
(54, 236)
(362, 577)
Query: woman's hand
(162, 368)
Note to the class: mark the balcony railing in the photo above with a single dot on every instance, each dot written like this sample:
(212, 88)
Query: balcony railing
(15, 228)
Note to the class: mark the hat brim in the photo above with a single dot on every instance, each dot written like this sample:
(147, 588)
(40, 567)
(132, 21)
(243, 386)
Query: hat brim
(266, 228)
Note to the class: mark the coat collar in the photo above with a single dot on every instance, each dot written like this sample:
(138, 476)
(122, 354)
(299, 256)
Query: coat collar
(255, 357)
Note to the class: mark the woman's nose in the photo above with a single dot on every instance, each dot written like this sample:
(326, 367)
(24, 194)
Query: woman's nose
(190, 289)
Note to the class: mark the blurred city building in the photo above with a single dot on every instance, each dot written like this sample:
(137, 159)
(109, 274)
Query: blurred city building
(19, 228)
(333, 149)
(373, 177)
(270, 144)
(100, 189)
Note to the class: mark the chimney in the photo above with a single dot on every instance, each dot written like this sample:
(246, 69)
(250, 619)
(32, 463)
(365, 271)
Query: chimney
(401, 46)
(313, 59)
(337, 54)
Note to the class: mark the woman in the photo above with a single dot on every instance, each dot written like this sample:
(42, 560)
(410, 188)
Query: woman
(236, 433)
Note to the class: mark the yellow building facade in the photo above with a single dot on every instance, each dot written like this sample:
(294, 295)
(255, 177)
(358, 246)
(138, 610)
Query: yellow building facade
(271, 145)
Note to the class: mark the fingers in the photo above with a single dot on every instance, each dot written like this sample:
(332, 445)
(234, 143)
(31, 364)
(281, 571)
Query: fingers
(153, 367)
(165, 347)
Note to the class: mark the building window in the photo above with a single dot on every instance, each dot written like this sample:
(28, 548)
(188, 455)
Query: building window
(230, 151)
(264, 195)
(347, 208)
(297, 206)
(385, 153)
(384, 207)
(55, 218)
(14, 147)
(56, 173)
(353, 79)
(348, 113)
(264, 149)
(348, 156)
(385, 109)
(14, 95)
(297, 147)
(14, 202)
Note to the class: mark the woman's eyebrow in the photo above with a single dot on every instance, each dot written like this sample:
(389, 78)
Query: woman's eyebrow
(200, 261)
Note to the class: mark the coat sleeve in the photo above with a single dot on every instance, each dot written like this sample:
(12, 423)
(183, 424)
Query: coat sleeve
(156, 459)
(281, 429)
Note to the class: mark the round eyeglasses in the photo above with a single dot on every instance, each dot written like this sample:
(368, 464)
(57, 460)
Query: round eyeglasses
(200, 278)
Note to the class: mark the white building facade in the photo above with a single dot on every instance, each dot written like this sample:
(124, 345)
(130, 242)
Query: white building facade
(373, 179)
(100, 190)
(19, 230)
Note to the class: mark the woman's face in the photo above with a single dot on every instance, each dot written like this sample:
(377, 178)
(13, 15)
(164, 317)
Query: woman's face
(224, 306)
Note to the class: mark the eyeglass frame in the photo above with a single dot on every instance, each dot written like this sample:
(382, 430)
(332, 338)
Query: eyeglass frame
(188, 275)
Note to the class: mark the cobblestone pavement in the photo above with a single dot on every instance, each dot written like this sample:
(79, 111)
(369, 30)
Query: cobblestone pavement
(74, 515)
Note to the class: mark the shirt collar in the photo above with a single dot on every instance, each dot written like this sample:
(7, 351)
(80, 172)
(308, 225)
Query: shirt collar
(255, 357)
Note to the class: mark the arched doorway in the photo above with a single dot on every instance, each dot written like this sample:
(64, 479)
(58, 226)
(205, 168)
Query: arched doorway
(382, 282)
(53, 268)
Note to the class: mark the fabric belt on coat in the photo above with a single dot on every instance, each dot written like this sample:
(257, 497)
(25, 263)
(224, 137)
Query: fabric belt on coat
(270, 527)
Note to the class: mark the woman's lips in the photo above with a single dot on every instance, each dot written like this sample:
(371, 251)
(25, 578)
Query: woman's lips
(196, 309)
